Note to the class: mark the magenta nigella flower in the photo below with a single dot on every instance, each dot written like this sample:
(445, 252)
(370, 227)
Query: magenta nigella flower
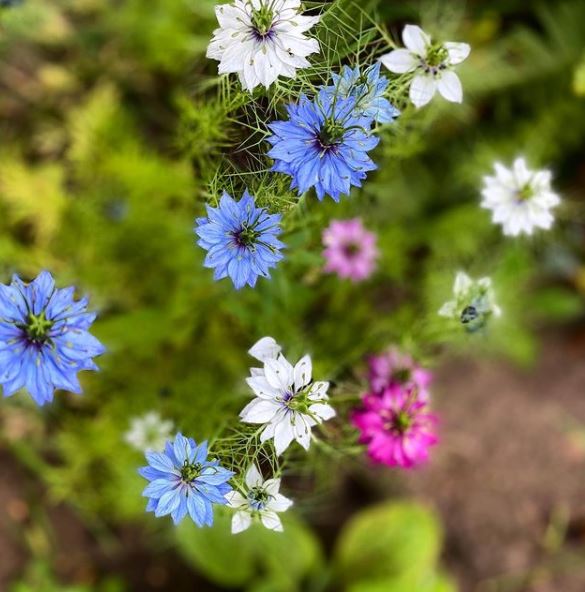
(350, 249)
(395, 368)
(396, 426)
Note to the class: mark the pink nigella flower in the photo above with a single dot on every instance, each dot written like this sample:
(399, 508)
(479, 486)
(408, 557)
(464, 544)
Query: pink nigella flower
(396, 426)
(350, 249)
(394, 367)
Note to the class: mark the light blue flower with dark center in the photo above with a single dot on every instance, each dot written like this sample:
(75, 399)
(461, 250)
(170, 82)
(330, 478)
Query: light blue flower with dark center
(183, 481)
(324, 144)
(241, 240)
(44, 339)
(368, 91)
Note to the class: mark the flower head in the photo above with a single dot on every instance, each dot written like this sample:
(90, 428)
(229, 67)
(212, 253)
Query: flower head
(149, 432)
(261, 40)
(396, 426)
(367, 89)
(350, 249)
(240, 240)
(520, 199)
(395, 368)
(183, 481)
(473, 303)
(431, 65)
(287, 402)
(324, 144)
(44, 339)
(260, 501)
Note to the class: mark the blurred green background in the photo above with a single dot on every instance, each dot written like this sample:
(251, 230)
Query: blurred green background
(112, 135)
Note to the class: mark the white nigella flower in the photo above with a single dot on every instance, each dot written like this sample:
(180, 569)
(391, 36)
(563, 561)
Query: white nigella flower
(261, 40)
(287, 401)
(520, 199)
(149, 432)
(473, 303)
(261, 501)
(432, 65)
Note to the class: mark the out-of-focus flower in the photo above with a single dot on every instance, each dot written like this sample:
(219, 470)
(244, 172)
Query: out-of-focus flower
(324, 144)
(241, 240)
(287, 402)
(10, 3)
(432, 66)
(44, 338)
(473, 303)
(261, 501)
(396, 426)
(367, 89)
(183, 481)
(520, 199)
(149, 432)
(350, 249)
(261, 40)
(395, 368)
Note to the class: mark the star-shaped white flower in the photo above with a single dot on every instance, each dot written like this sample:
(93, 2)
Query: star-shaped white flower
(473, 302)
(521, 200)
(287, 401)
(149, 432)
(261, 500)
(432, 65)
(261, 40)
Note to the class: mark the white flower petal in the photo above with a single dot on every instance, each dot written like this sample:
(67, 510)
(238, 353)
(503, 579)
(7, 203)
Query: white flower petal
(462, 283)
(265, 349)
(422, 89)
(253, 477)
(457, 52)
(279, 503)
(259, 411)
(449, 309)
(271, 521)
(400, 61)
(235, 499)
(283, 435)
(449, 86)
(323, 411)
(240, 522)
(416, 40)
(302, 373)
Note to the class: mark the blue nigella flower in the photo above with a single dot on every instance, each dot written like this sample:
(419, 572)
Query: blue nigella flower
(324, 144)
(44, 339)
(240, 240)
(367, 89)
(183, 481)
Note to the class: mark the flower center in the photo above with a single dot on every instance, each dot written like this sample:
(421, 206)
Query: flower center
(190, 471)
(524, 193)
(351, 250)
(399, 422)
(246, 237)
(401, 375)
(258, 497)
(435, 60)
(330, 135)
(37, 328)
(262, 19)
(469, 314)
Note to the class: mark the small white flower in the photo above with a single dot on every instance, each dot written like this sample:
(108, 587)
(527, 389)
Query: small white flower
(473, 303)
(149, 432)
(432, 65)
(287, 402)
(261, 500)
(520, 199)
(261, 40)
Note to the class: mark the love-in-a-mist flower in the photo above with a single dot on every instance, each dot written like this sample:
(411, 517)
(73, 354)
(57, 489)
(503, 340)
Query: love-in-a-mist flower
(183, 481)
(396, 426)
(261, 40)
(396, 368)
(260, 501)
(44, 338)
(241, 240)
(367, 89)
(324, 144)
(287, 402)
(520, 199)
(473, 302)
(149, 432)
(350, 250)
(431, 64)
